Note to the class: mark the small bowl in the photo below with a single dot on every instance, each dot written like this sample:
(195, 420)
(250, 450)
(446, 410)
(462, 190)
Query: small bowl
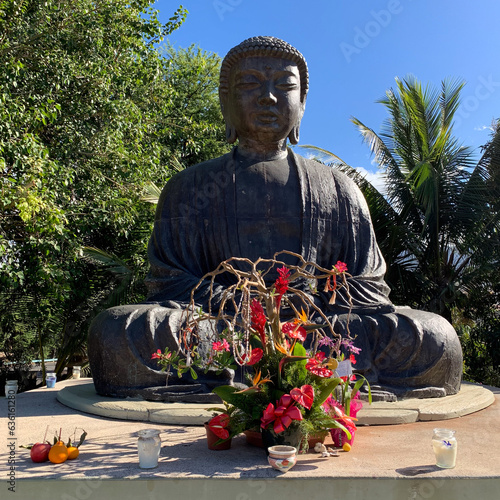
(282, 458)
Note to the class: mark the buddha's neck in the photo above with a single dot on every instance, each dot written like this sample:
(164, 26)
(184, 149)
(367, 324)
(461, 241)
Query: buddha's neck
(254, 150)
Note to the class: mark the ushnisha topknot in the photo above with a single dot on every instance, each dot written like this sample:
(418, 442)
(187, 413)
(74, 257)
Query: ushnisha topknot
(264, 46)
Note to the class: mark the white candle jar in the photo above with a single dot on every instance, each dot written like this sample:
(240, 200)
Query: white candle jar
(148, 447)
(444, 444)
(10, 387)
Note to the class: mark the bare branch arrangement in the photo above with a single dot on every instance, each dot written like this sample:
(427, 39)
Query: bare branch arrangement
(230, 318)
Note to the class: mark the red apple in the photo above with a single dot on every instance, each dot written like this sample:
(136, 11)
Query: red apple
(40, 452)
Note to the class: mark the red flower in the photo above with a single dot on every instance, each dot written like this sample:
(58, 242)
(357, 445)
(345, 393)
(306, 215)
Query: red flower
(341, 267)
(304, 396)
(352, 359)
(281, 284)
(315, 365)
(294, 331)
(218, 425)
(258, 319)
(256, 356)
(159, 355)
(282, 416)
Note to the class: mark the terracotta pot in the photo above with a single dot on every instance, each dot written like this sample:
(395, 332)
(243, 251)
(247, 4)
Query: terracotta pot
(316, 438)
(213, 438)
(254, 438)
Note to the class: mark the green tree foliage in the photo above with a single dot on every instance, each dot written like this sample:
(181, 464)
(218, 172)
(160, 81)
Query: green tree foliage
(91, 112)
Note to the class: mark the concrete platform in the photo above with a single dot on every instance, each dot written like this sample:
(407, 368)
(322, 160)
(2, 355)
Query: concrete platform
(390, 462)
(82, 396)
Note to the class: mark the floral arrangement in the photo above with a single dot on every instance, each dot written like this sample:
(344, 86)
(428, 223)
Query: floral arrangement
(282, 341)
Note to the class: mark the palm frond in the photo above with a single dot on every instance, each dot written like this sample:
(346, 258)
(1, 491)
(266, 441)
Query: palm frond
(153, 192)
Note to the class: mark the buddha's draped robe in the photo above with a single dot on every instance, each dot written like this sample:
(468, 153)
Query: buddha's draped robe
(231, 207)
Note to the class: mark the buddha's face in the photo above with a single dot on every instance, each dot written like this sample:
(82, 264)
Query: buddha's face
(264, 102)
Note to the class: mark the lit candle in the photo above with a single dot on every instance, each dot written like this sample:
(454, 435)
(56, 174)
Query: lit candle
(445, 448)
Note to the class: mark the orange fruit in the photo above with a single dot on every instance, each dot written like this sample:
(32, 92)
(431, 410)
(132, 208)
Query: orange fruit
(58, 453)
(73, 452)
(346, 447)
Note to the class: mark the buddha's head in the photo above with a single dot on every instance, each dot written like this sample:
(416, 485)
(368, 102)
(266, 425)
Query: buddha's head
(263, 88)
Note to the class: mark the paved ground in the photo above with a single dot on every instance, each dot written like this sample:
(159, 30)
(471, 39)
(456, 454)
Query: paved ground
(393, 451)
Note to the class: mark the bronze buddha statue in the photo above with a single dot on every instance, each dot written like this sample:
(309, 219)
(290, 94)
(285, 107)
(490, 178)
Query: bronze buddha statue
(257, 200)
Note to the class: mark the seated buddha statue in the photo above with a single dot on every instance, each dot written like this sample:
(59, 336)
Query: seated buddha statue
(257, 200)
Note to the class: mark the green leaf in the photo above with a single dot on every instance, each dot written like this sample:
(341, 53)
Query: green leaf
(226, 393)
(326, 391)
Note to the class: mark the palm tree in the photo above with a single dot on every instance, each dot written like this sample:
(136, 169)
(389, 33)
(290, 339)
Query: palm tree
(435, 224)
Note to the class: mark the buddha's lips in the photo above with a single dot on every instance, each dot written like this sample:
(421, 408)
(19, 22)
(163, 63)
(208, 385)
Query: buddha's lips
(267, 117)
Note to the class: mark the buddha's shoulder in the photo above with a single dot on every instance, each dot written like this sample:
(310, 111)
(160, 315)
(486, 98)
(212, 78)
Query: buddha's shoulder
(321, 171)
(203, 169)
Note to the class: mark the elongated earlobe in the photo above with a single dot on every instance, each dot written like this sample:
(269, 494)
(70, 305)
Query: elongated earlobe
(293, 136)
(231, 134)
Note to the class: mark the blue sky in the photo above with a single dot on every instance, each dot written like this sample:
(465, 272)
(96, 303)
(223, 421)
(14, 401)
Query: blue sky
(356, 48)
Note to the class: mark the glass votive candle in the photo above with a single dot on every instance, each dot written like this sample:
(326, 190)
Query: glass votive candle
(444, 445)
(50, 380)
(10, 387)
(148, 447)
(76, 372)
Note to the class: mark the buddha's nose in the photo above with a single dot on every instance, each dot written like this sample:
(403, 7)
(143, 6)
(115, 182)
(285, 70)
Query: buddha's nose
(267, 97)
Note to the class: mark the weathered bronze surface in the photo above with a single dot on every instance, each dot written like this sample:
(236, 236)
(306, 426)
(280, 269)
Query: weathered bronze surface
(253, 202)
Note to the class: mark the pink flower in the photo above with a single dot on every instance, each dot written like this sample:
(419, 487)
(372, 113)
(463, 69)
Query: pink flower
(341, 267)
(282, 416)
(221, 346)
(218, 425)
(355, 406)
(304, 396)
(294, 331)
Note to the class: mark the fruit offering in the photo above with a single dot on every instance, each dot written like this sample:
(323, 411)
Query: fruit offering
(57, 453)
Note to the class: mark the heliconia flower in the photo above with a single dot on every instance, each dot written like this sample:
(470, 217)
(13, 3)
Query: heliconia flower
(304, 396)
(282, 416)
(258, 319)
(256, 356)
(315, 365)
(294, 331)
(221, 346)
(281, 284)
(218, 425)
(341, 267)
